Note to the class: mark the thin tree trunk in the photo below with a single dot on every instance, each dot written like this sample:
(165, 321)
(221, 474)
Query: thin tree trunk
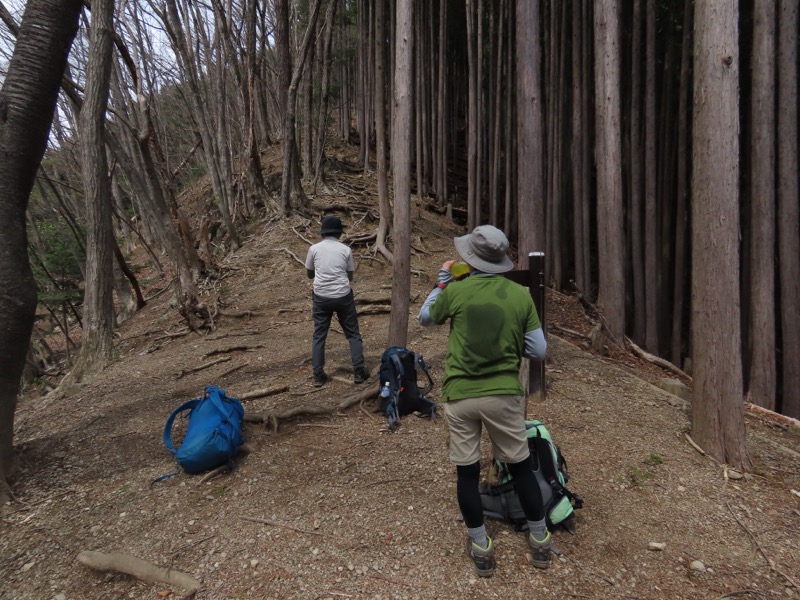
(682, 184)
(97, 345)
(762, 380)
(635, 214)
(610, 241)
(789, 208)
(385, 209)
(650, 200)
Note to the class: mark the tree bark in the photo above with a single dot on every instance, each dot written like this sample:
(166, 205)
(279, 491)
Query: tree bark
(384, 207)
(762, 380)
(401, 171)
(608, 151)
(97, 345)
(27, 102)
(718, 405)
(788, 208)
(650, 189)
(530, 132)
(682, 191)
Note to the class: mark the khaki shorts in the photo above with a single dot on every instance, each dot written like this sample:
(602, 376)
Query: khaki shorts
(504, 418)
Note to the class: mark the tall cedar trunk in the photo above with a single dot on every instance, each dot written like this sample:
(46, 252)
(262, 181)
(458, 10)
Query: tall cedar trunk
(97, 345)
(307, 146)
(575, 147)
(635, 213)
(472, 116)
(441, 110)
(610, 236)
(718, 405)
(762, 380)
(586, 145)
(650, 199)
(290, 158)
(682, 192)
(529, 132)
(385, 209)
(27, 102)
(401, 171)
(788, 208)
(497, 129)
(325, 90)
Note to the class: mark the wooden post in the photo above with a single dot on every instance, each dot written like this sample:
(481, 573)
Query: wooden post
(533, 279)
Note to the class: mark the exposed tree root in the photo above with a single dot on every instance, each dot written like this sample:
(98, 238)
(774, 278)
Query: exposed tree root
(243, 348)
(136, 567)
(273, 419)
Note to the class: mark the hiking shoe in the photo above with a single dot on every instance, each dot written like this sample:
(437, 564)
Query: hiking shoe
(360, 375)
(320, 379)
(482, 558)
(540, 551)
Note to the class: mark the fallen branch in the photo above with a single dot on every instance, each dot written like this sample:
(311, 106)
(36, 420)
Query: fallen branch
(277, 524)
(141, 569)
(265, 392)
(240, 314)
(576, 334)
(656, 360)
(771, 415)
(695, 446)
(375, 310)
(184, 372)
(294, 256)
(233, 370)
(233, 349)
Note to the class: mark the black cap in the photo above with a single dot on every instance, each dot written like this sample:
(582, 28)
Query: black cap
(331, 225)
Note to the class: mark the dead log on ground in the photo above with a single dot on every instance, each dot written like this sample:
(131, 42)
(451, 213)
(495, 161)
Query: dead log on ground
(184, 372)
(141, 569)
(656, 360)
(265, 392)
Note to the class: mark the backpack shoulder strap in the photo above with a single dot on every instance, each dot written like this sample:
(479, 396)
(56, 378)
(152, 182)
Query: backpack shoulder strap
(190, 405)
(421, 363)
(398, 367)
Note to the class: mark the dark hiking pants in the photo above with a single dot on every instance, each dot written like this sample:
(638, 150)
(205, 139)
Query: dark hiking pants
(345, 310)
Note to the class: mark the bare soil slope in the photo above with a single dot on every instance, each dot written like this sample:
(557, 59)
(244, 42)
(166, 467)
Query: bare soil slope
(350, 510)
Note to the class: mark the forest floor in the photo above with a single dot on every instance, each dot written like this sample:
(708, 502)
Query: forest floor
(334, 506)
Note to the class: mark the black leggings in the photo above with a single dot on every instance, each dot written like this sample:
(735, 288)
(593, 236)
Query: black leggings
(469, 497)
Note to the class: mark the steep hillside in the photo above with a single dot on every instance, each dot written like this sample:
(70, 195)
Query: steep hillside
(334, 506)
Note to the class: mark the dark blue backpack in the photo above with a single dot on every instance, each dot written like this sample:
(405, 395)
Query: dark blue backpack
(214, 434)
(400, 368)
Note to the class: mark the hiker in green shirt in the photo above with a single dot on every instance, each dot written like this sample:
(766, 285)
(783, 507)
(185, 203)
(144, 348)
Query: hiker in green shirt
(493, 324)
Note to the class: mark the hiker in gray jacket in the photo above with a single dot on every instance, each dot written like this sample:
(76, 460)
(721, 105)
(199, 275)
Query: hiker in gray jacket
(330, 264)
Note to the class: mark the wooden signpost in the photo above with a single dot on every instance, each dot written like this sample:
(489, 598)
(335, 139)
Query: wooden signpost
(533, 279)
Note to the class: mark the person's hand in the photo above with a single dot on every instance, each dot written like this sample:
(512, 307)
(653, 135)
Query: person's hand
(445, 276)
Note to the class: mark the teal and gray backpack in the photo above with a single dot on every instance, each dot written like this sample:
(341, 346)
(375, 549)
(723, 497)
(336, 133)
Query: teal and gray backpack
(500, 501)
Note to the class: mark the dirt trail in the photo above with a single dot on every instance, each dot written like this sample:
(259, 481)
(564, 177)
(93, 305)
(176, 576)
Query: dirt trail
(358, 512)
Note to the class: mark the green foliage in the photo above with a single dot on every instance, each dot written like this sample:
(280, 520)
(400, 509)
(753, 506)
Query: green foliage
(55, 263)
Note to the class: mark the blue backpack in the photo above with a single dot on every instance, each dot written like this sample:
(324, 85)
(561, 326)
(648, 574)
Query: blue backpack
(214, 434)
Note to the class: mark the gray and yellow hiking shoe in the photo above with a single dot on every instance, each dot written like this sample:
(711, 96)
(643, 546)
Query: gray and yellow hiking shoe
(540, 551)
(482, 558)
